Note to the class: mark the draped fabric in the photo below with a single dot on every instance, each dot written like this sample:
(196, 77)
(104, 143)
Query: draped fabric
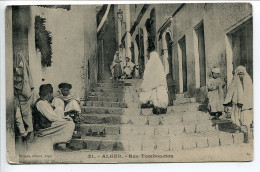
(23, 86)
(154, 75)
(129, 68)
(240, 91)
(154, 85)
(23, 83)
(67, 98)
(60, 130)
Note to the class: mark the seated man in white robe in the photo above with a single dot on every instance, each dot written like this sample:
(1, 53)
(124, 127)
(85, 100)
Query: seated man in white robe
(48, 123)
(129, 68)
(67, 104)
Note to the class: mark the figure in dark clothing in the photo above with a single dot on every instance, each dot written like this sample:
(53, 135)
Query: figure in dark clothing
(171, 88)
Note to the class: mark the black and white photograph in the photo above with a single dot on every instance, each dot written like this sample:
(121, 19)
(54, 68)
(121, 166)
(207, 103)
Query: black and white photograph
(129, 83)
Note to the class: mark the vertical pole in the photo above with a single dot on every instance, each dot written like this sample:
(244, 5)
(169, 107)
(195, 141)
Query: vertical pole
(119, 25)
(128, 36)
(229, 59)
(165, 54)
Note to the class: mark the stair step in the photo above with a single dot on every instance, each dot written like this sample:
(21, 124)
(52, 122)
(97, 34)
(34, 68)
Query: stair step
(166, 120)
(106, 104)
(108, 90)
(110, 87)
(111, 81)
(101, 110)
(187, 107)
(179, 96)
(167, 130)
(102, 119)
(158, 143)
(109, 129)
(137, 120)
(184, 100)
(146, 128)
(104, 98)
(110, 84)
(108, 94)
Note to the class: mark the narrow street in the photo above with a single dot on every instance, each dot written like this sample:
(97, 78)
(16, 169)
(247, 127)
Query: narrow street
(95, 57)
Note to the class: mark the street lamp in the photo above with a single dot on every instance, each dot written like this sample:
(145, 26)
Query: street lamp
(120, 14)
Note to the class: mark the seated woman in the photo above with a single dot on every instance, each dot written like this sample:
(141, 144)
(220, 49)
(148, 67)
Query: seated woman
(154, 85)
(67, 104)
(48, 123)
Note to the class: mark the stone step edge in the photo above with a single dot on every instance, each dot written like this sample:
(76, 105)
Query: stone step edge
(167, 125)
(155, 137)
(98, 107)
(217, 141)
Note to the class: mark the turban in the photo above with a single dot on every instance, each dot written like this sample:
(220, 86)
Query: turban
(215, 70)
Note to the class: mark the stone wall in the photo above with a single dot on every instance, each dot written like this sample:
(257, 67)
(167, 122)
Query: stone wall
(73, 45)
(108, 37)
(217, 19)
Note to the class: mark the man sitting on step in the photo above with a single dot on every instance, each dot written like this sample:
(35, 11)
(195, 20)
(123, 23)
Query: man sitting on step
(129, 69)
(48, 123)
(67, 104)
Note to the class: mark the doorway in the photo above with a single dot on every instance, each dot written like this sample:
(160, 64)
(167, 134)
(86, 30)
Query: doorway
(183, 59)
(169, 48)
(242, 46)
(199, 30)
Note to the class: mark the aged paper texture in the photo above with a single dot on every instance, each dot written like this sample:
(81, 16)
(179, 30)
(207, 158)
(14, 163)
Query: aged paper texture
(123, 83)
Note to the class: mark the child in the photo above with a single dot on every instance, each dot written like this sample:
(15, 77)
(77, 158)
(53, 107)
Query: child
(67, 104)
(215, 94)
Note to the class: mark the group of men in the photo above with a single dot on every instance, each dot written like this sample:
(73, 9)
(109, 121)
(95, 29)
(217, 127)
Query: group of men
(55, 117)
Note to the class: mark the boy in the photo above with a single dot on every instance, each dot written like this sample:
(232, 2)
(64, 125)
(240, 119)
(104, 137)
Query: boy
(215, 94)
(67, 104)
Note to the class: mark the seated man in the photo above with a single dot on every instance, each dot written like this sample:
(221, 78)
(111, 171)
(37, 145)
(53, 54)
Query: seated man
(129, 68)
(48, 123)
(67, 104)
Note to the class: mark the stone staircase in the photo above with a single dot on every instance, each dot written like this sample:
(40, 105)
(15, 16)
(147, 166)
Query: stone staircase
(114, 122)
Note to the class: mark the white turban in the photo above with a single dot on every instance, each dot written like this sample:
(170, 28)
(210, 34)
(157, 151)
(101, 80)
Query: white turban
(215, 70)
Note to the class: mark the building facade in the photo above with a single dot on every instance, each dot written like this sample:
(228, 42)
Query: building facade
(192, 39)
(67, 34)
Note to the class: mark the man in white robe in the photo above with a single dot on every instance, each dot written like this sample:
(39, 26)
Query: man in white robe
(129, 68)
(66, 103)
